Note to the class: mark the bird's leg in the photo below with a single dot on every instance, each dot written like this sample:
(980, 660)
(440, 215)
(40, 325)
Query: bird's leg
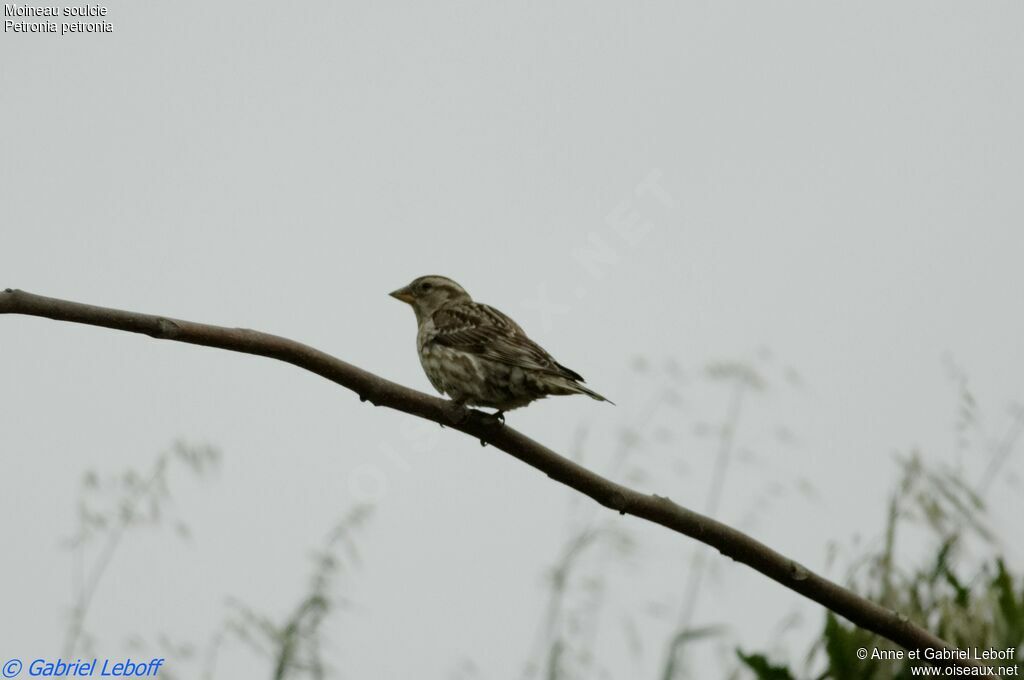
(457, 413)
(496, 419)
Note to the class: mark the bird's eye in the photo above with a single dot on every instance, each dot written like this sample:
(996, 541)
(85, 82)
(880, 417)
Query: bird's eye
(425, 286)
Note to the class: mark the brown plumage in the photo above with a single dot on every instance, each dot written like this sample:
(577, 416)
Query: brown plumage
(477, 355)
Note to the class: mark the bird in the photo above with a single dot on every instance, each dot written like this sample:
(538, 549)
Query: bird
(477, 355)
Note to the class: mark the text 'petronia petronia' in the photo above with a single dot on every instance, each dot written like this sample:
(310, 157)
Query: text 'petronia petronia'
(26, 13)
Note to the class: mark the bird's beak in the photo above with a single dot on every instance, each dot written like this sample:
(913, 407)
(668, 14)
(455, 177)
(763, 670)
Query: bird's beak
(403, 294)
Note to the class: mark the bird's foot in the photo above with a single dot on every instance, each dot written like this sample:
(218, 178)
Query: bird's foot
(495, 419)
(457, 413)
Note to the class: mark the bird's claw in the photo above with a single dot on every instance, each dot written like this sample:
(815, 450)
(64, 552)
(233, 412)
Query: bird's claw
(457, 413)
(496, 418)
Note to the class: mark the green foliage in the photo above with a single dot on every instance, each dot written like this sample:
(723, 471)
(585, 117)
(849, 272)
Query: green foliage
(678, 643)
(113, 506)
(841, 644)
(762, 668)
(974, 604)
(296, 644)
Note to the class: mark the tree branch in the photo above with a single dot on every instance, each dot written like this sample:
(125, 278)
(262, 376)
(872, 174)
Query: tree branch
(381, 392)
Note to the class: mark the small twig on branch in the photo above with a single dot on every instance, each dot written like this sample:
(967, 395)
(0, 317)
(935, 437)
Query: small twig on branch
(625, 501)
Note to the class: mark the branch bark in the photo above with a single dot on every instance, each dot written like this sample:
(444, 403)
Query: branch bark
(658, 509)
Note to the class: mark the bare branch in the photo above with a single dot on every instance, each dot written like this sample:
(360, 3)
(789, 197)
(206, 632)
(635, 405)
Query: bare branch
(658, 509)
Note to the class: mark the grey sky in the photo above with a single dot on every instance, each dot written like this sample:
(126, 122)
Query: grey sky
(846, 187)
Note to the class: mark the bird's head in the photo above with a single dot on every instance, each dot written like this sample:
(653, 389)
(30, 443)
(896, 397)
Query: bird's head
(427, 294)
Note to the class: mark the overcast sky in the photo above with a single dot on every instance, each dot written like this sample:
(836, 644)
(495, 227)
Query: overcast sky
(830, 192)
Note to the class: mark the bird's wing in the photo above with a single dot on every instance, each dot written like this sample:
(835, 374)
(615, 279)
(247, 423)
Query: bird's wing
(484, 331)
